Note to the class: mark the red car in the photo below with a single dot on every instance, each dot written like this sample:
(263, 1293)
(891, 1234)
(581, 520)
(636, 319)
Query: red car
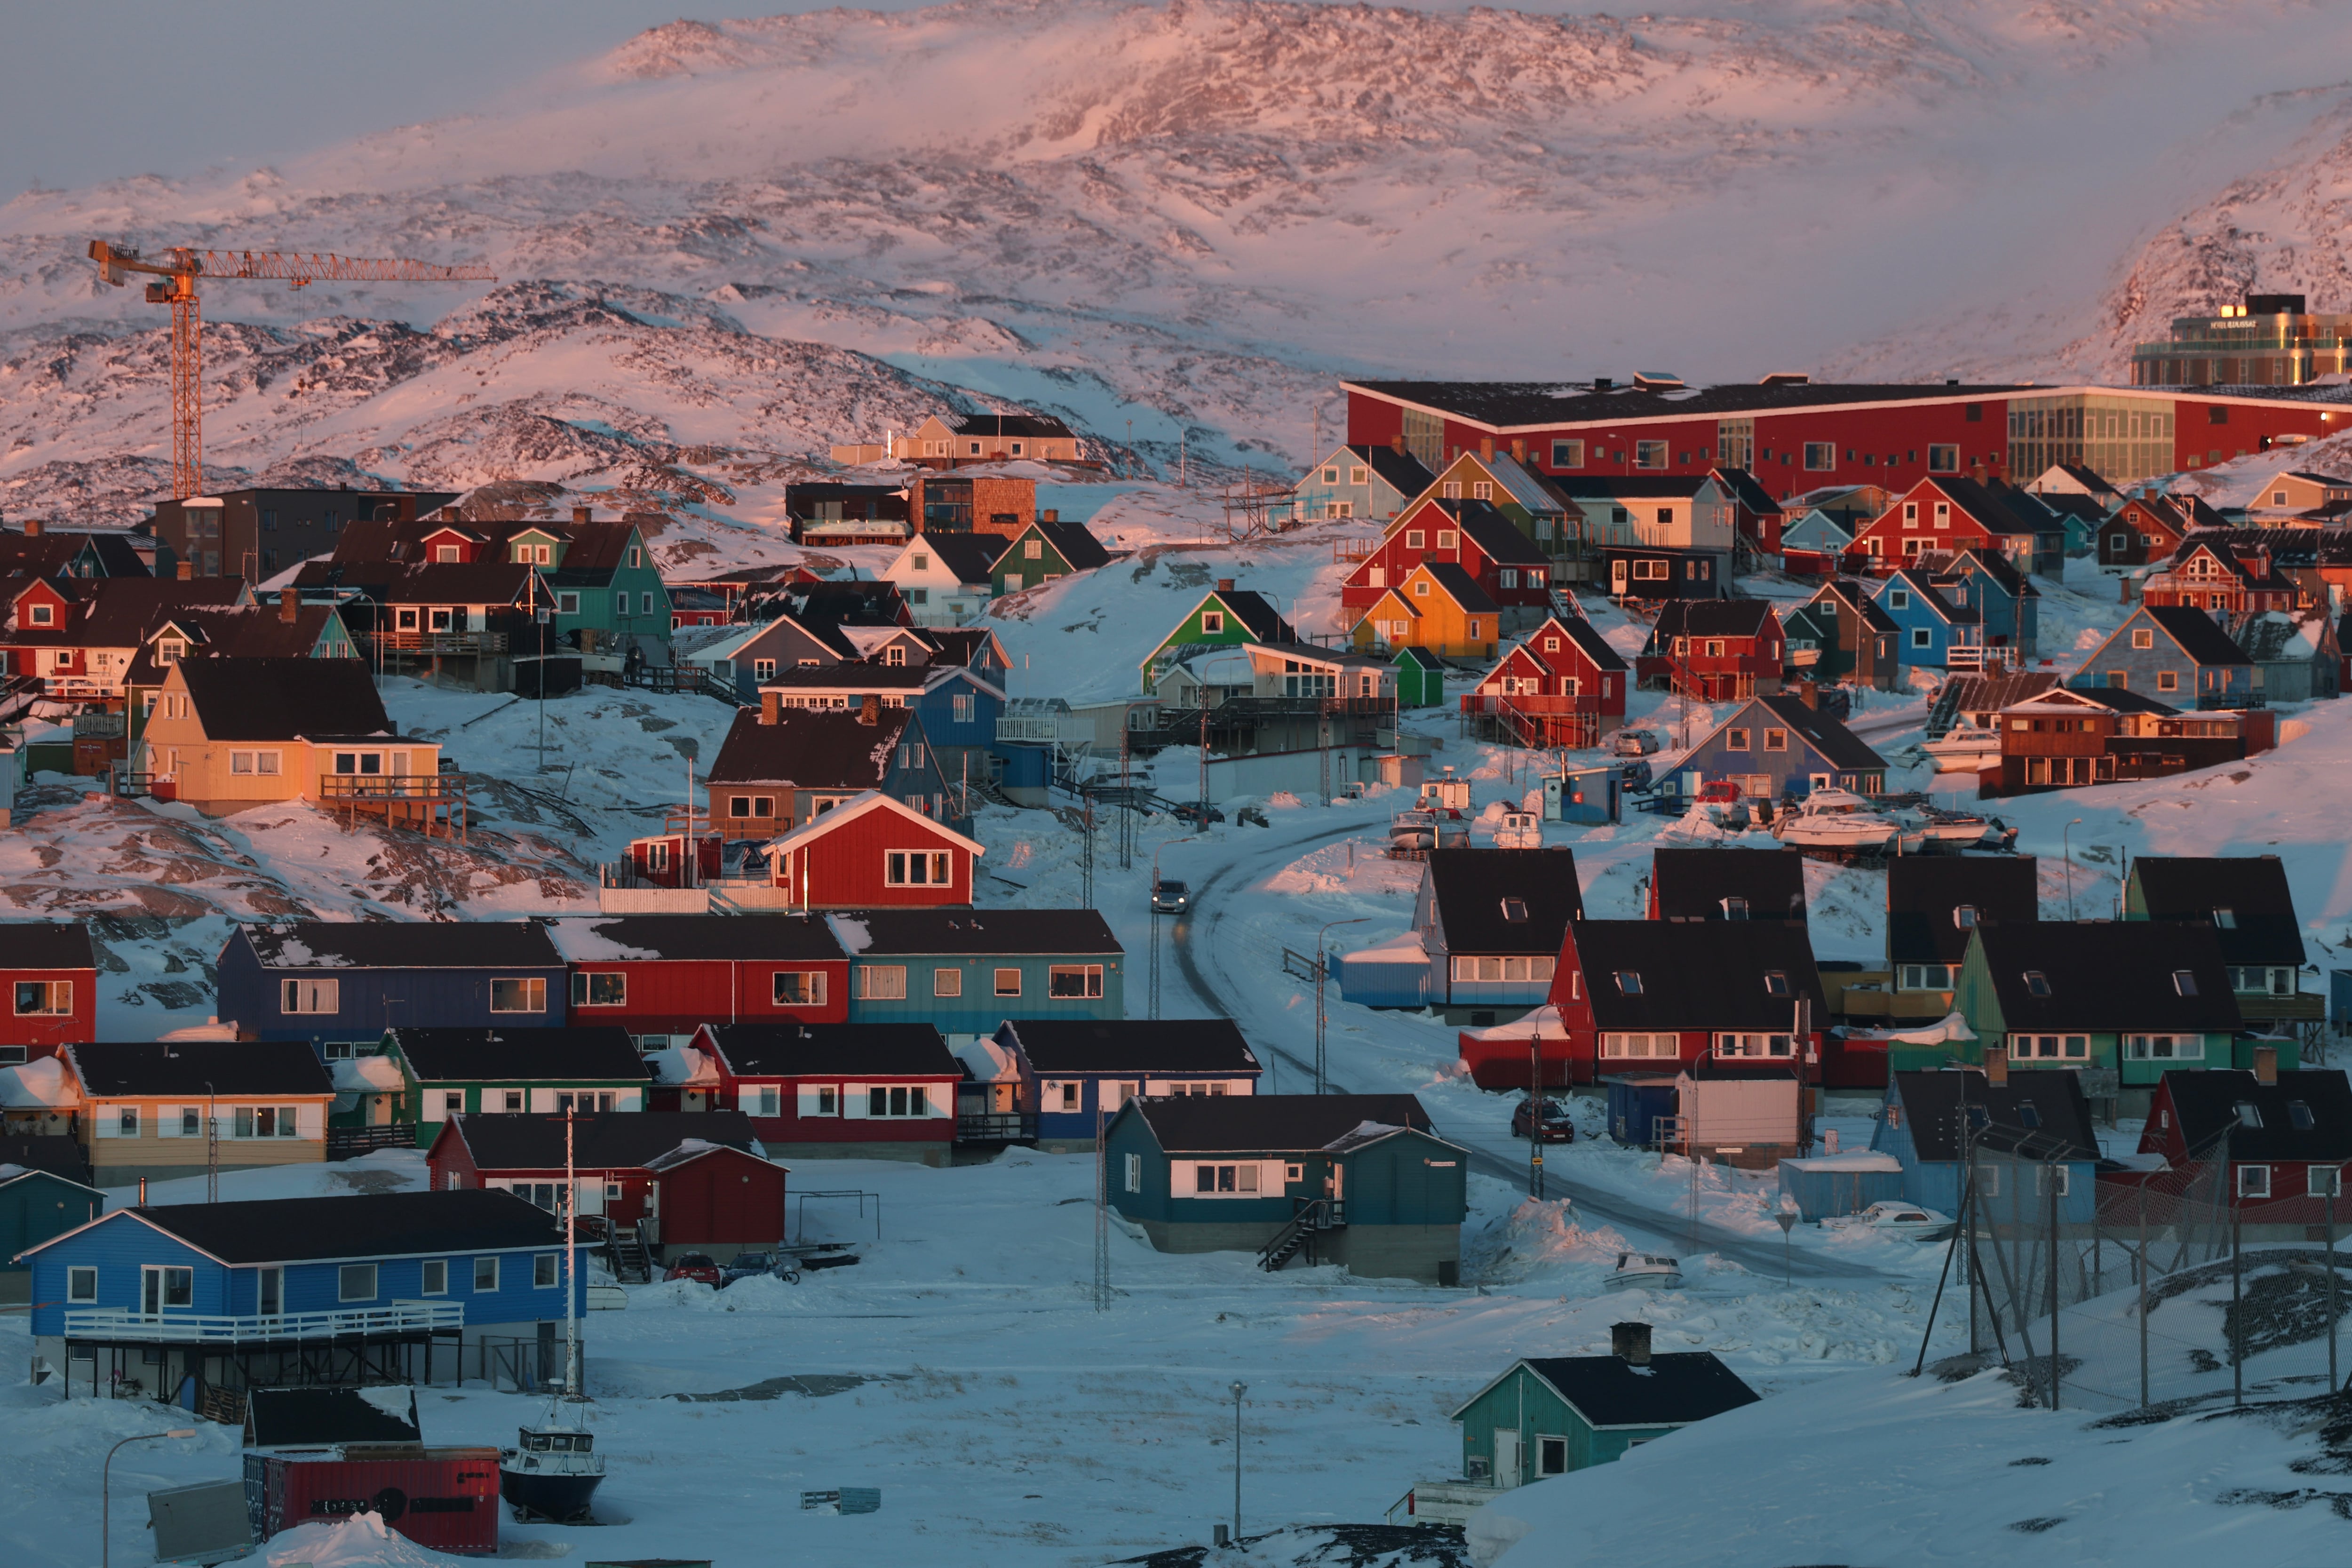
(694, 1265)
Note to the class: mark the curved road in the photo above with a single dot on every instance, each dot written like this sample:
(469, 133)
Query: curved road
(1217, 975)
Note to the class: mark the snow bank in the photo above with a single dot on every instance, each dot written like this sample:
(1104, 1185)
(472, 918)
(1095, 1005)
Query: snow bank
(987, 1061)
(851, 932)
(359, 1542)
(41, 1083)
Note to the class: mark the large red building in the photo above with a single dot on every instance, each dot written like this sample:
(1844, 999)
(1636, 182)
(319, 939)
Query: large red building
(50, 982)
(1796, 435)
(668, 976)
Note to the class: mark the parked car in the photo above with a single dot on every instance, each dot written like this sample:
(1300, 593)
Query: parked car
(1633, 777)
(1633, 742)
(1196, 812)
(745, 1265)
(698, 1266)
(1545, 1121)
(1171, 898)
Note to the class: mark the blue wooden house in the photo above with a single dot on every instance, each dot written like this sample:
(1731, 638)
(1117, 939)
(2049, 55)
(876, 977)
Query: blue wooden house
(1927, 627)
(1553, 1415)
(1072, 1068)
(340, 985)
(367, 1288)
(2020, 1120)
(2007, 604)
(2176, 655)
(965, 971)
(1780, 746)
(1360, 1180)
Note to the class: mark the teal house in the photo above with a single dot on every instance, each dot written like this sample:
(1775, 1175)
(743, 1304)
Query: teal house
(606, 587)
(43, 1199)
(1549, 1416)
(1360, 1180)
(1228, 617)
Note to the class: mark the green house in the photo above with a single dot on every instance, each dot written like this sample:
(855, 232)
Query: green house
(1549, 1416)
(1420, 678)
(2135, 998)
(448, 1072)
(1042, 553)
(1228, 617)
(606, 587)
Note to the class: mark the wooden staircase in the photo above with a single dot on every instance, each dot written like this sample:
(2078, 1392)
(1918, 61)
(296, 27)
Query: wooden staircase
(1320, 1216)
(632, 1263)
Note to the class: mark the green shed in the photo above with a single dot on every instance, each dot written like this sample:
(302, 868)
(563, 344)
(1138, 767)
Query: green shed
(1549, 1416)
(1420, 678)
(35, 1206)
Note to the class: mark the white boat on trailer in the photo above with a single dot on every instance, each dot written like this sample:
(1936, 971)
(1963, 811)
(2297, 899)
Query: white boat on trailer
(1838, 820)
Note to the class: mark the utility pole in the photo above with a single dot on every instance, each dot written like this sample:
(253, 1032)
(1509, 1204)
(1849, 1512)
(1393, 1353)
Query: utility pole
(1239, 1389)
(1322, 968)
(212, 1144)
(1534, 1115)
(1102, 1209)
(2333, 1178)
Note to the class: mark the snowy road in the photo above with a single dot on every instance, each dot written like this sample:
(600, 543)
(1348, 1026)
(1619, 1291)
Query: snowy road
(1225, 963)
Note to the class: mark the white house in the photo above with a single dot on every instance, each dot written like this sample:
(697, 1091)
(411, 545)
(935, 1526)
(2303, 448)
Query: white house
(944, 577)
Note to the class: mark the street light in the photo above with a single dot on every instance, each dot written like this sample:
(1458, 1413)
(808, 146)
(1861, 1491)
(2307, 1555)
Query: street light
(1322, 967)
(1239, 1389)
(1155, 917)
(106, 1482)
(2066, 853)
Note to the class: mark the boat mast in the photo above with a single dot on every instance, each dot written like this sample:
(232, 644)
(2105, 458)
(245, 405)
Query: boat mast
(571, 1260)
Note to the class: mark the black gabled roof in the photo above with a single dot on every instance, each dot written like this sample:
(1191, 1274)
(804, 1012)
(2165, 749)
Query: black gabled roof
(1256, 613)
(108, 1067)
(1476, 890)
(1074, 542)
(2002, 510)
(791, 1050)
(1747, 491)
(1507, 404)
(1999, 567)
(878, 933)
(45, 944)
(1673, 1390)
(1495, 534)
(1403, 470)
(1692, 884)
(404, 945)
(2068, 504)
(1063, 1046)
(1833, 739)
(2059, 1126)
(610, 1140)
(312, 1418)
(1244, 1124)
(357, 1225)
(1579, 487)
(2253, 888)
(2115, 699)
(2199, 637)
(1849, 591)
(57, 1153)
(1924, 891)
(595, 1053)
(283, 699)
(971, 556)
(817, 748)
(2208, 1103)
(1586, 636)
(1462, 587)
(1005, 425)
(1710, 618)
(2108, 975)
(616, 939)
(1697, 975)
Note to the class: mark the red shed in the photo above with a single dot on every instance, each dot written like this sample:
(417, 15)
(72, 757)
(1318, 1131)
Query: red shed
(447, 1498)
(51, 986)
(668, 976)
(645, 1168)
(855, 1091)
(873, 851)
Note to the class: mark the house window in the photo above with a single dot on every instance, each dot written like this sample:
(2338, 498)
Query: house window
(1008, 982)
(917, 868)
(513, 1098)
(44, 613)
(1943, 459)
(435, 1280)
(1224, 1180)
(1629, 982)
(81, 1285)
(544, 1270)
(1134, 1178)
(1640, 1046)
(1776, 740)
(356, 1282)
(1515, 911)
(2167, 680)
(2049, 1047)
(1899, 599)
(517, 995)
(1568, 454)
(898, 1102)
(1743, 1045)
(1923, 978)
(1776, 983)
(1734, 740)
(1075, 981)
(2184, 981)
(310, 996)
(1551, 1456)
(1649, 454)
(44, 998)
(567, 601)
(262, 763)
(2163, 1048)
(2253, 1181)
(1213, 622)
(1821, 457)
(485, 1274)
(600, 989)
(1963, 916)
(1919, 636)
(799, 987)
(2142, 637)
(882, 982)
(2036, 982)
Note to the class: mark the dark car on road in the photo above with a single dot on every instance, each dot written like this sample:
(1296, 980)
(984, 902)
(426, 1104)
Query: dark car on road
(1171, 898)
(1550, 1115)
(694, 1265)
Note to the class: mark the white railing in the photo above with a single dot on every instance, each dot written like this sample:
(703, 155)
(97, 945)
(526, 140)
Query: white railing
(198, 1328)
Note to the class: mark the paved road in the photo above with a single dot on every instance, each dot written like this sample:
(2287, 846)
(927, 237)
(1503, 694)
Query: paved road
(1219, 975)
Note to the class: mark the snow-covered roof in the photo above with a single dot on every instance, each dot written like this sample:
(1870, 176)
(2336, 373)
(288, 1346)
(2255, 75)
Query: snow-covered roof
(683, 1067)
(364, 1075)
(987, 1062)
(1854, 1160)
(1406, 947)
(44, 1085)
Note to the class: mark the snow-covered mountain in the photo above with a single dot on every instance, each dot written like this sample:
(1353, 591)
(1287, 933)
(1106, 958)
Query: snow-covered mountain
(724, 246)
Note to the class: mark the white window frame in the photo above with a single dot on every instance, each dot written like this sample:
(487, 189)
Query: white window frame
(81, 1284)
(534, 993)
(56, 998)
(310, 997)
(349, 1274)
(898, 867)
(814, 985)
(882, 982)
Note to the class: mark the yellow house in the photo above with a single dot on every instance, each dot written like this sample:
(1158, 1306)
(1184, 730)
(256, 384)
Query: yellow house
(1439, 608)
(157, 1109)
(229, 733)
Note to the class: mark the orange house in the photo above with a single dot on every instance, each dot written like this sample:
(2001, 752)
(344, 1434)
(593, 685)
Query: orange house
(1439, 608)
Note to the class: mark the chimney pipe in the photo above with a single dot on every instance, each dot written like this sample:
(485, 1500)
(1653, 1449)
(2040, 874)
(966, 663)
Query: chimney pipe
(289, 605)
(1486, 448)
(1051, 514)
(32, 528)
(1519, 449)
(1224, 585)
(580, 514)
(1997, 1065)
(2266, 1066)
(1396, 443)
(771, 703)
(869, 709)
(1630, 1343)
(187, 571)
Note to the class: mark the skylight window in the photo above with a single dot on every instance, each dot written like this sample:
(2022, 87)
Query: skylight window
(2299, 1114)
(2028, 1115)
(2227, 919)
(2249, 1115)
(1776, 983)
(1515, 910)
(1735, 908)
(1963, 916)
(2037, 983)
(1629, 982)
(2184, 981)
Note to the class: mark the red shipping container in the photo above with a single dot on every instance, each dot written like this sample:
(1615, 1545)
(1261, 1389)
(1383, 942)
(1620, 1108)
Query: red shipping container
(447, 1498)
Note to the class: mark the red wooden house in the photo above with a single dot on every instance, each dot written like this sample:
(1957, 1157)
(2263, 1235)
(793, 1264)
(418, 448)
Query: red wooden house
(683, 1179)
(1941, 517)
(1472, 534)
(1561, 686)
(668, 976)
(2273, 1129)
(1646, 996)
(1714, 649)
(1755, 515)
(2208, 574)
(873, 851)
(51, 985)
(2149, 528)
(861, 1091)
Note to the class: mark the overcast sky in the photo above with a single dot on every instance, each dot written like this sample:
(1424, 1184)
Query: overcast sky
(92, 90)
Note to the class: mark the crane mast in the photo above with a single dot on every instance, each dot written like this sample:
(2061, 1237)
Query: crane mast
(173, 283)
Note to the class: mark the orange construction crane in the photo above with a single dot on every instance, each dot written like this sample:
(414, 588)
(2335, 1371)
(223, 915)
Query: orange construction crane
(176, 287)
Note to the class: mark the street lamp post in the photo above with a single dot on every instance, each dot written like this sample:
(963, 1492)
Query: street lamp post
(1239, 1389)
(106, 1483)
(1155, 919)
(2066, 852)
(1322, 968)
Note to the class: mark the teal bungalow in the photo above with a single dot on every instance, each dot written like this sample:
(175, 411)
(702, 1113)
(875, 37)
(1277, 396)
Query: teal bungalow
(1360, 1180)
(39, 1201)
(365, 1288)
(965, 971)
(1551, 1416)
(1228, 617)
(607, 589)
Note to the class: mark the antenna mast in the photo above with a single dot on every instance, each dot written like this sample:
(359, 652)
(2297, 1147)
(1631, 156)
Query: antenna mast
(571, 1260)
